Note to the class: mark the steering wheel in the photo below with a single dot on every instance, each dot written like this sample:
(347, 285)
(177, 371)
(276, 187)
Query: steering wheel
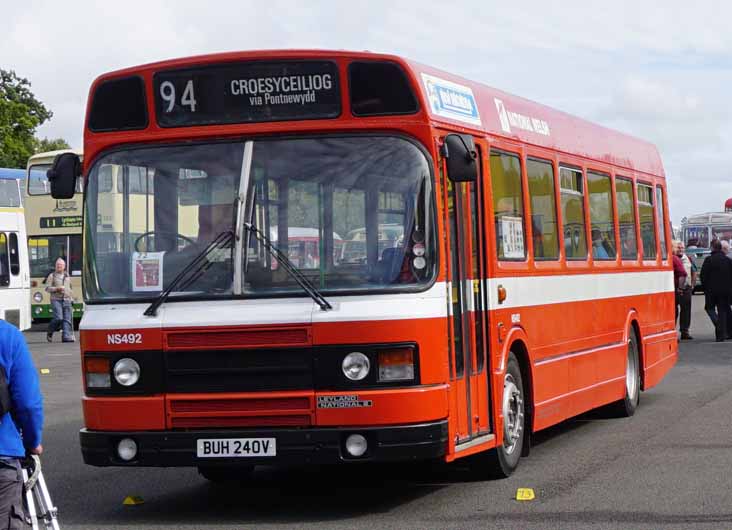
(158, 232)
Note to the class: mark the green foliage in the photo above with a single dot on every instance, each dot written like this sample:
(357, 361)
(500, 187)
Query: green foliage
(55, 144)
(20, 115)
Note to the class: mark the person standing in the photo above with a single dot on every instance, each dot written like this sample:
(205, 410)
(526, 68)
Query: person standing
(680, 277)
(684, 289)
(58, 285)
(716, 276)
(21, 424)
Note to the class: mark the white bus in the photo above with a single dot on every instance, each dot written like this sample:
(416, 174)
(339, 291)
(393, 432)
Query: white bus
(14, 270)
(54, 231)
(698, 231)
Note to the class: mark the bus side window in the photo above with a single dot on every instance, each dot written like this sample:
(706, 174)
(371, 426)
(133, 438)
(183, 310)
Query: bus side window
(4, 267)
(602, 227)
(543, 209)
(14, 254)
(661, 222)
(647, 222)
(573, 212)
(508, 206)
(626, 217)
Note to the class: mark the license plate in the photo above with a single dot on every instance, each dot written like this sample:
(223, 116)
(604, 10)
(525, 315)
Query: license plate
(235, 447)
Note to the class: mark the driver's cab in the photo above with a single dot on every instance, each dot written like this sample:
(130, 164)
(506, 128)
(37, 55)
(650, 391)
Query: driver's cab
(157, 219)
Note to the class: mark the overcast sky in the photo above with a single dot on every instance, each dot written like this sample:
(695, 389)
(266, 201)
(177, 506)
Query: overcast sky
(659, 70)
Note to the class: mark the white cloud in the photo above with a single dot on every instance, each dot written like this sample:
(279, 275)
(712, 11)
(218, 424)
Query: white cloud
(658, 70)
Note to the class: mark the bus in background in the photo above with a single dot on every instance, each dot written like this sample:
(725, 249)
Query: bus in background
(698, 231)
(54, 231)
(728, 205)
(14, 273)
(504, 266)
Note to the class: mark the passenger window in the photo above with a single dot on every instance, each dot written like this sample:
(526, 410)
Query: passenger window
(573, 213)
(661, 222)
(508, 206)
(13, 254)
(626, 218)
(647, 221)
(543, 209)
(4, 265)
(602, 226)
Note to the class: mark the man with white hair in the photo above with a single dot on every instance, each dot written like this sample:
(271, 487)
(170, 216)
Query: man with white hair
(58, 285)
(726, 249)
(684, 287)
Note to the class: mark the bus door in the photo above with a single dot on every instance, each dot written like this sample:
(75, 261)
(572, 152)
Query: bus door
(468, 307)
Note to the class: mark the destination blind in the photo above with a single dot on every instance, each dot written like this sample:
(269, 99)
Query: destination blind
(247, 92)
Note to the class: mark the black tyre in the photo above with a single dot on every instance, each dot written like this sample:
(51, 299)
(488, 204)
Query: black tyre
(504, 459)
(626, 407)
(223, 475)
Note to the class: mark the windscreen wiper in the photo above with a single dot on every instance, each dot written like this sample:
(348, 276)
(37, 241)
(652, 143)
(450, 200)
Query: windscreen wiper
(191, 272)
(283, 260)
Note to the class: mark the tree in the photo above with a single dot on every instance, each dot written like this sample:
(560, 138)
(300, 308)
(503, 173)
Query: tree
(20, 115)
(41, 146)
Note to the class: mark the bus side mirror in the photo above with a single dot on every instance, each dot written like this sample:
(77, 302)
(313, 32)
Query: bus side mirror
(459, 150)
(62, 175)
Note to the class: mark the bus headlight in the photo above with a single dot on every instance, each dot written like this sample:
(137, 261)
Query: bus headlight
(126, 371)
(37, 297)
(356, 366)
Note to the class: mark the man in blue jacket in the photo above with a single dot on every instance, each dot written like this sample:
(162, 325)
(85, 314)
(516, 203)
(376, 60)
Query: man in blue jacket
(21, 427)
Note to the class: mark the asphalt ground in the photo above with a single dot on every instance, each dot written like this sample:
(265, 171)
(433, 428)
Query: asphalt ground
(669, 466)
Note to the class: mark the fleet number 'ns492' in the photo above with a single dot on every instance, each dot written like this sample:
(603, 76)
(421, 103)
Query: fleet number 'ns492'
(124, 338)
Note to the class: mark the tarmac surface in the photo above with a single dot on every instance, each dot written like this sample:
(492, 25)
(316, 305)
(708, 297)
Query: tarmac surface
(669, 466)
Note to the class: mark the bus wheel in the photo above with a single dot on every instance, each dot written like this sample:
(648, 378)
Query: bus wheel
(626, 406)
(223, 475)
(503, 460)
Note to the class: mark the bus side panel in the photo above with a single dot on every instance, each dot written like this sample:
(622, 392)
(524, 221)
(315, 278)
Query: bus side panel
(663, 349)
(578, 351)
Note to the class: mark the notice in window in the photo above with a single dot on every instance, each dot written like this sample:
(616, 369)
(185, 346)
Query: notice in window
(147, 271)
(512, 237)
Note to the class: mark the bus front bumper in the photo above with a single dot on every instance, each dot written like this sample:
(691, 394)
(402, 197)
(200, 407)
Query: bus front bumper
(293, 446)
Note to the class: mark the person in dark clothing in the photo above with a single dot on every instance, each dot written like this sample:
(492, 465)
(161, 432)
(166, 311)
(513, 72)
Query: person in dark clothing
(716, 275)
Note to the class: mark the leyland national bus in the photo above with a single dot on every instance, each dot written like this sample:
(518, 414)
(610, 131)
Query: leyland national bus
(14, 275)
(54, 231)
(528, 280)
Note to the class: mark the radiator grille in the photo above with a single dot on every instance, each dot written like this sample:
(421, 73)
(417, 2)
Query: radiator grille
(239, 370)
(239, 338)
(245, 421)
(12, 316)
(187, 412)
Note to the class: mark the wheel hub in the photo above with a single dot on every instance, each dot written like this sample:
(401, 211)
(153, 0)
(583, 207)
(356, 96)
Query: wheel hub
(513, 414)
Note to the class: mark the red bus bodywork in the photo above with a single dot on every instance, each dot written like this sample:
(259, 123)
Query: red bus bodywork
(567, 321)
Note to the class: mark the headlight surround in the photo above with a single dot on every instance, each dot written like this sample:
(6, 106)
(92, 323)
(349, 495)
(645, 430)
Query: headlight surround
(356, 366)
(37, 297)
(126, 371)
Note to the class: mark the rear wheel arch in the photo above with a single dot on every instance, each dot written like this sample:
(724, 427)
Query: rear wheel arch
(634, 327)
(519, 349)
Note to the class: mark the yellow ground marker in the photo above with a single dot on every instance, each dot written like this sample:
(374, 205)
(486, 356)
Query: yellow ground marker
(133, 500)
(525, 494)
(45, 371)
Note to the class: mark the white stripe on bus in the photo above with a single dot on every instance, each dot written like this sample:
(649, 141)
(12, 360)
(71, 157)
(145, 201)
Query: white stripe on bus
(524, 291)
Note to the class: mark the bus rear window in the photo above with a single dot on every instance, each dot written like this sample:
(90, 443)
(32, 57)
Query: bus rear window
(378, 88)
